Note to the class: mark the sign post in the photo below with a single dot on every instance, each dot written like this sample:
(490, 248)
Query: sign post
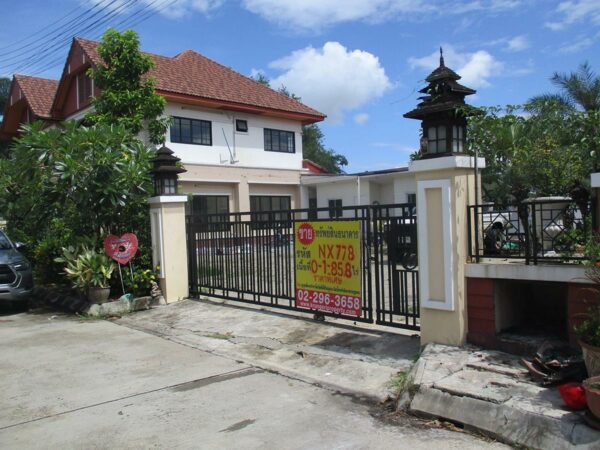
(328, 266)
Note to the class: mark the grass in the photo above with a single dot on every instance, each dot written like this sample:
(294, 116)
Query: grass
(401, 383)
(224, 336)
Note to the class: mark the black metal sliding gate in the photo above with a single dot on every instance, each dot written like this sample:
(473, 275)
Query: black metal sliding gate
(249, 257)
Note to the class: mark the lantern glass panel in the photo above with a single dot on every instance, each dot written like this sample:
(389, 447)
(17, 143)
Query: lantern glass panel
(458, 138)
(170, 186)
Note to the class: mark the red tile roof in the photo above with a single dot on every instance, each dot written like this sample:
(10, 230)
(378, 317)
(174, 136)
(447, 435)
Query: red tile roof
(39, 93)
(192, 74)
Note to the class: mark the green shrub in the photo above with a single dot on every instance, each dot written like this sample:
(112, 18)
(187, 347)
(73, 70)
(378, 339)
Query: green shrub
(141, 283)
(86, 267)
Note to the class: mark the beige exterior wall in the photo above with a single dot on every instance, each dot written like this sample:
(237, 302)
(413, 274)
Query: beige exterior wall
(239, 183)
(436, 242)
(169, 247)
(442, 326)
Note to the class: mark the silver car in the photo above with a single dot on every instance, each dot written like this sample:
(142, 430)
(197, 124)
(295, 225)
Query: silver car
(16, 279)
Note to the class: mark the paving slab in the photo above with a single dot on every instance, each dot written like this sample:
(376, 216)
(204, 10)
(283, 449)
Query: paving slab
(487, 390)
(335, 354)
(97, 385)
(57, 363)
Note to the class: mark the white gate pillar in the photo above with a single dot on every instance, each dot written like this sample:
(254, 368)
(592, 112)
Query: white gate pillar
(445, 187)
(169, 245)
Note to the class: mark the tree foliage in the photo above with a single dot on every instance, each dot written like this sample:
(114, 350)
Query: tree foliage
(545, 153)
(549, 146)
(4, 91)
(128, 95)
(85, 183)
(577, 90)
(315, 150)
(312, 139)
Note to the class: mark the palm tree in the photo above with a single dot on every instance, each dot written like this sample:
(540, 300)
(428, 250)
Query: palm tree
(578, 90)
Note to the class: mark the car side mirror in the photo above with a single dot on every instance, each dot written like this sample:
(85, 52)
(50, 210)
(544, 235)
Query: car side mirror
(19, 245)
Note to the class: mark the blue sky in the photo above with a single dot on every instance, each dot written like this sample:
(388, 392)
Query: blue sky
(359, 61)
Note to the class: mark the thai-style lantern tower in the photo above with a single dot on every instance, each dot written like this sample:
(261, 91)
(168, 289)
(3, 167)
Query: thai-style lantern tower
(444, 126)
(165, 172)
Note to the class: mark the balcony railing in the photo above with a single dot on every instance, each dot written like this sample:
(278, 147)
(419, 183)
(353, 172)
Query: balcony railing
(550, 230)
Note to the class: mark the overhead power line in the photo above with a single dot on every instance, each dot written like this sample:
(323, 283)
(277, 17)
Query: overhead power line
(134, 19)
(57, 45)
(65, 33)
(47, 35)
(41, 30)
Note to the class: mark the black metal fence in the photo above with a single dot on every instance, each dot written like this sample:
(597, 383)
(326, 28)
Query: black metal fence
(249, 257)
(553, 230)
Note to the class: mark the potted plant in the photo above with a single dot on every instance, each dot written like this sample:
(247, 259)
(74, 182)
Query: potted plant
(588, 334)
(588, 330)
(89, 271)
(592, 394)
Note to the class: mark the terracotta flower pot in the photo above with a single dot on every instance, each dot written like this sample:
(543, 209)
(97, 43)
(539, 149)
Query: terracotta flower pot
(98, 294)
(591, 356)
(593, 395)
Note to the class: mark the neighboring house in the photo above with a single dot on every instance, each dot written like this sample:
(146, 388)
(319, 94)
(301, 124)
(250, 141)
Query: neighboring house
(29, 99)
(379, 187)
(313, 167)
(240, 141)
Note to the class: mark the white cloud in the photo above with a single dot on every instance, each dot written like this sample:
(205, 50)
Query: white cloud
(167, 8)
(460, 7)
(575, 46)
(575, 11)
(254, 73)
(332, 79)
(475, 68)
(518, 44)
(315, 14)
(311, 14)
(361, 118)
(515, 44)
(183, 7)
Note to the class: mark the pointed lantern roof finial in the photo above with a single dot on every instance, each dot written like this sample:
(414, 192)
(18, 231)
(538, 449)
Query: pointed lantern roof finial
(442, 57)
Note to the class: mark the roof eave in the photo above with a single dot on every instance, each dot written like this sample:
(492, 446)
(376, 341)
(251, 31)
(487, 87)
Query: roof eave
(305, 118)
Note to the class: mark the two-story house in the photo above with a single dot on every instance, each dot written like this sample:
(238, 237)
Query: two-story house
(240, 141)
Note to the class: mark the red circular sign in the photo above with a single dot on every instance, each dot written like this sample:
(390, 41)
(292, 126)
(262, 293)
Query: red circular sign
(121, 249)
(306, 234)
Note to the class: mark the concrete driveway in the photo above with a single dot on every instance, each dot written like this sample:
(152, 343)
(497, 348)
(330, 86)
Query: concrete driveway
(73, 384)
(357, 360)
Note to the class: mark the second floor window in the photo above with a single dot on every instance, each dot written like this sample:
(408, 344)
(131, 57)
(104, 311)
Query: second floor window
(191, 131)
(279, 141)
(84, 89)
(241, 125)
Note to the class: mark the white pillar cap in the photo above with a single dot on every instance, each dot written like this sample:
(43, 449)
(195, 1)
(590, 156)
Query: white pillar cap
(167, 199)
(446, 162)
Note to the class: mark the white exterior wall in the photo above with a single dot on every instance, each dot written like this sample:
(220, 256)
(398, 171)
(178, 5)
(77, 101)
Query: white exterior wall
(386, 194)
(347, 191)
(383, 189)
(404, 184)
(248, 148)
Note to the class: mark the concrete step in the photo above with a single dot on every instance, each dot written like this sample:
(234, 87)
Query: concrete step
(488, 391)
